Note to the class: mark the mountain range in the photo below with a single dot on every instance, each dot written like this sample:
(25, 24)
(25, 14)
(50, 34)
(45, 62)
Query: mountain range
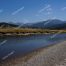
(48, 24)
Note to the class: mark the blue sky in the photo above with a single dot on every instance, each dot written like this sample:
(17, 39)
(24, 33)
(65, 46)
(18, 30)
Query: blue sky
(26, 11)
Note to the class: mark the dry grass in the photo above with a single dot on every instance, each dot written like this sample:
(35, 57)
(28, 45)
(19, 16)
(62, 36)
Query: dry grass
(28, 30)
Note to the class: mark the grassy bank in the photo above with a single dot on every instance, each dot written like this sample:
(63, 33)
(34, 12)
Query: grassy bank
(27, 31)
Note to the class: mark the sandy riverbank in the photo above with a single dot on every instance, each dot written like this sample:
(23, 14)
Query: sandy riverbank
(50, 56)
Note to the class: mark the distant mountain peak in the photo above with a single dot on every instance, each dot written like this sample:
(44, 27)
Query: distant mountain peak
(48, 24)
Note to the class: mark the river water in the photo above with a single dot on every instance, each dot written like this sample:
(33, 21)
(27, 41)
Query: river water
(17, 45)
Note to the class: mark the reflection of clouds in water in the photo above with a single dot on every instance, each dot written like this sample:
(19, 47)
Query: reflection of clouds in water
(9, 54)
(3, 42)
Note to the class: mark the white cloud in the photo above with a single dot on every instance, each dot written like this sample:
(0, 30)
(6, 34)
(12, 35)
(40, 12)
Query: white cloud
(26, 21)
(46, 8)
(1, 10)
(63, 9)
(49, 12)
(54, 17)
(37, 15)
(49, 9)
(18, 10)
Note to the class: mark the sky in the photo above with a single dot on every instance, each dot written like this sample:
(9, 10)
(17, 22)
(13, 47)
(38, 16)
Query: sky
(29, 11)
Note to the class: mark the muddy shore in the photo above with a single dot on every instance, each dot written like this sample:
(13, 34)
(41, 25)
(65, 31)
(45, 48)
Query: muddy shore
(54, 55)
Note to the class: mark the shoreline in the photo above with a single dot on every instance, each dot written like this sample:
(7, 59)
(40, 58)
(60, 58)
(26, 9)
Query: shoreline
(51, 55)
